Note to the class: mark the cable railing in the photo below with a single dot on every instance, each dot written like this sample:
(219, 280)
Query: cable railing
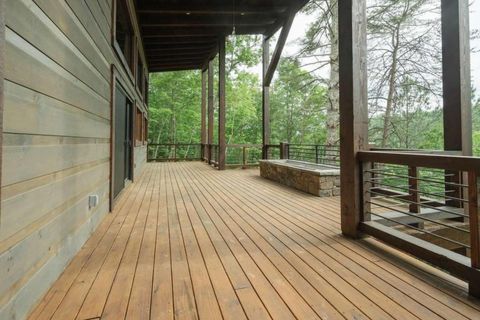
(426, 204)
(314, 153)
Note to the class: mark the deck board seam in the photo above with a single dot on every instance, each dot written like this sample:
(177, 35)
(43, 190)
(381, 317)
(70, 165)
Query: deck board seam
(356, 243)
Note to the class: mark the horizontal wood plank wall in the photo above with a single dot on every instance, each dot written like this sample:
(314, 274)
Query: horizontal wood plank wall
(140, 154)
(56, 140)
(2, 84)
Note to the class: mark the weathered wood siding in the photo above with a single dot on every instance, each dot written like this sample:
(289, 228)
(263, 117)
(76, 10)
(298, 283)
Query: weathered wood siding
(56, 140)
(140, 160)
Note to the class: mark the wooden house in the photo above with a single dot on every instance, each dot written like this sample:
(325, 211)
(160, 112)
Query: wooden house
(89, 230)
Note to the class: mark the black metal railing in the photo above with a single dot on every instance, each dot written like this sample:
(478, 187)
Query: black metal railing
(314, 153)
(244, 154)
(273, 151)
(174, 152)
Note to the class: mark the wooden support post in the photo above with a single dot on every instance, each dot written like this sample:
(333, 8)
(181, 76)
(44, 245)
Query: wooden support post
(457, 115)
(210, 112)
(222, 145)
(265, 100)
(473, 205)
(353, 109)
(282, 39)
(203, 132)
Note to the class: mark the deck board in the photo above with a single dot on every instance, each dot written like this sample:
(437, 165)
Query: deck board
(187, 242)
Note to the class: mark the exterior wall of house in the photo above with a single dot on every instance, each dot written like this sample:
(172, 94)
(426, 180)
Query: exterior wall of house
(56, 139)
(140, 160)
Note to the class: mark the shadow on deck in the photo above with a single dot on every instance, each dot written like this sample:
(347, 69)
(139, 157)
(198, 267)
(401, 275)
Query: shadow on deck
(186, 241)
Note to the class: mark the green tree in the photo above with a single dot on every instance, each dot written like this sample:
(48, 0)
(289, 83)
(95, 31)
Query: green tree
(174, 106)
(297, 105)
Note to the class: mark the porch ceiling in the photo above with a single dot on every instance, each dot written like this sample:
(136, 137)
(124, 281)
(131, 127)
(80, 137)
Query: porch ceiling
(183, 34)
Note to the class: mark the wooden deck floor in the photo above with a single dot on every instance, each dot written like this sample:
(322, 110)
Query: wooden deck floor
(187, 242)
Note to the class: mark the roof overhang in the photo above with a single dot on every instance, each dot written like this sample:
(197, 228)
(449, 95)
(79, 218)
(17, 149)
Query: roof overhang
(184, 34)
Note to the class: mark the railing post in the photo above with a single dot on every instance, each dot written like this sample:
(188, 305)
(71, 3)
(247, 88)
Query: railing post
(265, 150)
(283, 150)
(413, 190)
(316, 153)
(366, 185)
(244, 157)
(473, 205)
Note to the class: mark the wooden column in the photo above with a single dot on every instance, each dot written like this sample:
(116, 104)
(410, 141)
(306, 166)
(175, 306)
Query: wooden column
(210, 112)
(473, 212)
(457, 114)
(265, 100)
(203, 132)
(353, 109)
(222, 146)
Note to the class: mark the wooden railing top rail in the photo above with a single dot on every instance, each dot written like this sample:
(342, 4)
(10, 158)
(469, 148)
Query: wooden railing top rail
(313, 145)
(244, 146)
(441, 152)
(174, 144)
(436, 161)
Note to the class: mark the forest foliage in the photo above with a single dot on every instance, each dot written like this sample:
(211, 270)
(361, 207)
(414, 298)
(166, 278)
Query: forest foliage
(405, 105)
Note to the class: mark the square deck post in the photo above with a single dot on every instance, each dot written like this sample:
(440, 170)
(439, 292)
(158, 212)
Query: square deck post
(210, 112)
(353, 109)
(222, 146)
(203, 132)
(265, 100)
(457, 106)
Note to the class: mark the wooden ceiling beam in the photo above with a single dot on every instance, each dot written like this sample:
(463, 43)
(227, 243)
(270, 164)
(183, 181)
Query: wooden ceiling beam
(178, 55)
(175, 68)
(178, 49)
(175, 65)
(282, 39)
(208, 9)
(205, 31)
(156, 20)
(182, 41)
(199, 60)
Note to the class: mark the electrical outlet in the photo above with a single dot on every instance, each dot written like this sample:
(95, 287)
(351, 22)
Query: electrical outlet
(92, 201)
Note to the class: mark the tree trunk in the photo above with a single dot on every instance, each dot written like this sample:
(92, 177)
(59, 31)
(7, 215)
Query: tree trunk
(391, 87)
(333, 116)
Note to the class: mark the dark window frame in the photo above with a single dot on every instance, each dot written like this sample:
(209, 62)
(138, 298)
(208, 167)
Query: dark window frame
(128, 58)
(140, 74)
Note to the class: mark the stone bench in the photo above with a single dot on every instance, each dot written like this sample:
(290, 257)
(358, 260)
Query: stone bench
(316, 179)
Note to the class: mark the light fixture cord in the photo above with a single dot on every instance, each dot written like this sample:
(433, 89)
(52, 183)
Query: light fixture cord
(233, 13)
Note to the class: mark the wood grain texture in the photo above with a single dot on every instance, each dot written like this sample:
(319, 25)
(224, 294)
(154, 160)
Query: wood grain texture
(353, 108)
(56, 139)
(191, 242)
(457, 102)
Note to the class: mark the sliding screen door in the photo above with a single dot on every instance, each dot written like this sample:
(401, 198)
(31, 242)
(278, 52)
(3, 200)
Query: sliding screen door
(122, 170)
